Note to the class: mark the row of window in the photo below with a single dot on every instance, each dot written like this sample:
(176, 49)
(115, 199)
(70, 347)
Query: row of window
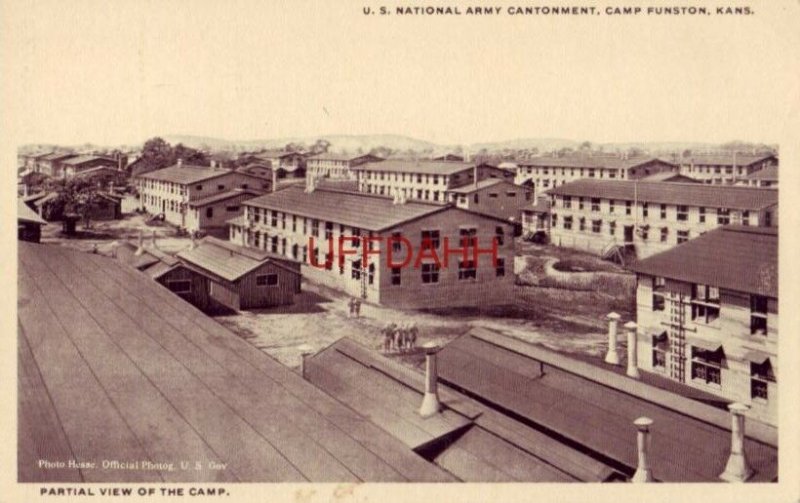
(706, 367)
(579, 172)
(681, 214)
(705, 305)
(401, 177)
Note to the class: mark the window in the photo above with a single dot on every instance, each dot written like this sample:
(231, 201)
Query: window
(220, 187)
(627, 207)
(430, 272)
(397, 245)
(683, 236)
(468, 236)
(723, 216)
(761, 374)
(611, 206)
(705, 303)
(580, 203)
(745, 217)
(663, 211)
(328, 230)
(595, 204)
(702, 217)
(511, 194)
(660, 349)
(267, 280)
(644, 210)
(370, 273)
(493, 195)
(683, 213)
(397, 275)
(274, 218)
(706, 366)
(467, 269)
(294, 223)
(567, 202)
(596, 225)
(554, 220)
(198, 187)
(476, 199)
(315, 228)
(231, 209)
(274, 243)
(664, 234)
(500, 267)
(658, 293)
(430, 239)
(499, 233)
(612, 228)
(209, 212)
(568, 222)
(758, 315)
(179, 286)
(355, 269)
(582, 224)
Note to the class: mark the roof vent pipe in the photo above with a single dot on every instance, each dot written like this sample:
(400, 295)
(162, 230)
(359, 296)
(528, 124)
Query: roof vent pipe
(738, 468)
(430, 402)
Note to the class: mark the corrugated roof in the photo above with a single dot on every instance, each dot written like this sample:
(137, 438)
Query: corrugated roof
(690, 194)
(364, 211)
(666, 176)
(416, 166)
(728, 159)
(114, 366)
(25, 214)
(185, 174)
(223, 196)
(739, 258)
(227, 260)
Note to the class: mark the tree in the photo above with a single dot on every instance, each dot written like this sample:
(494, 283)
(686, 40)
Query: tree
(156, 154)
(77, 196)
(320, 146)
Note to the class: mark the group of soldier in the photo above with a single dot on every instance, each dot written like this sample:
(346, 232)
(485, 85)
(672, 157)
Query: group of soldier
(399, 336)
(355, 307)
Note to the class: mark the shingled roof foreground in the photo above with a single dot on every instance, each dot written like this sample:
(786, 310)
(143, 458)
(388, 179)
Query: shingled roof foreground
(735, 257)
(689, 194)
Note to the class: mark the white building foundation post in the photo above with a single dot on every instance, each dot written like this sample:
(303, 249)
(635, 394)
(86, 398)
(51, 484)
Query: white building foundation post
(737, 469)
(611, 356)
(430, 402)
(643, 472)
(633, 367)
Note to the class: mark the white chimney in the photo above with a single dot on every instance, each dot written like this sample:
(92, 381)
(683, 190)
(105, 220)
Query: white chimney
(213, 163)
(737, 469)
(633, 367)
(311, 183)
(180, 162)
(305, 351)
(155, 246)
(193, 243)
(611, 356)
(643, 472)
(430, 402)
(140, 249)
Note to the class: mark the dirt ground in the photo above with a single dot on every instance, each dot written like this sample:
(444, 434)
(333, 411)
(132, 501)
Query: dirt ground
(564, 320)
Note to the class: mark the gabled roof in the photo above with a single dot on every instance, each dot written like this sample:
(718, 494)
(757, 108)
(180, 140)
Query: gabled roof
(332, 156)
(416, 166)
(185, 174)
(581, 161)
(364, 211)
(690, 194)
(728, 159)
(25, 214)
(223, 196)
(230, 261)
(100, 344)
(83, 159)
(588, 406)
(666, 176)
(740, 258)
(56, 156)
(769, 173)
(100, 169)
(483, 184)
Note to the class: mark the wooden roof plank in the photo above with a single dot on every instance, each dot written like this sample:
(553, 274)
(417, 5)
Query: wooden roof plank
(242, 448)
(85, 410)
(390, 450)
(508, 458)
(41, 435)
(140, 332)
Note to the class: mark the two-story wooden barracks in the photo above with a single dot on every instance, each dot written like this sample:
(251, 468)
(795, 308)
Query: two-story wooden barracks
(651, 217)
(707, 314)
(284, 221)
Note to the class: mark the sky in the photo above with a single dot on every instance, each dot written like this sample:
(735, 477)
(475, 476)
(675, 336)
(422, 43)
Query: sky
(117, 72)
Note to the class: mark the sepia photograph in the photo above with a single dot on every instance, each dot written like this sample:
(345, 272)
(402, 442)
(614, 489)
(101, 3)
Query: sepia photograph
(298, 251)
